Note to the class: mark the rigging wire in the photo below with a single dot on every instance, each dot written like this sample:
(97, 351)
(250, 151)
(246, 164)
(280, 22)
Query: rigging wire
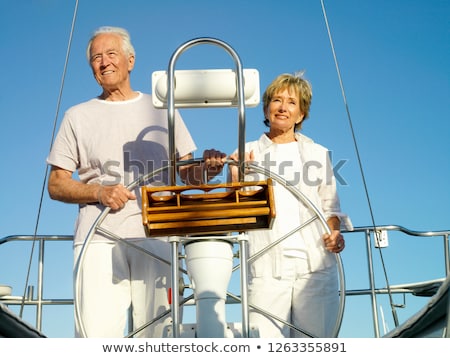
(58, 106)
(341, 84)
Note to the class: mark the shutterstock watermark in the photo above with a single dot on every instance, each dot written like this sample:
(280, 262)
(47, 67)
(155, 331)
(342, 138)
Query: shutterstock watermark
(310, 173)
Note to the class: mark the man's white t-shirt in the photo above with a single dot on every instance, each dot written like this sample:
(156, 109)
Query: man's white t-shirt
(108, 143)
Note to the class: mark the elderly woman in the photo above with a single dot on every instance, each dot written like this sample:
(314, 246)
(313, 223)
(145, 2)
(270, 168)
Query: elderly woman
(295, 281)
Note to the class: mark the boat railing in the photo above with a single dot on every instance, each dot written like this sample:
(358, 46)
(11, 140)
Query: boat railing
(375, 238)
(35, 295)
(34, 290)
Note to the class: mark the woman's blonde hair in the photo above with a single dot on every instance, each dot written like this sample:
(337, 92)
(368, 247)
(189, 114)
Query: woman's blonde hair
(301, 87)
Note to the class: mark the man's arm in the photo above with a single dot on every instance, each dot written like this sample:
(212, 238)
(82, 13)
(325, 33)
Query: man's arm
(62, 187)
(193, 174)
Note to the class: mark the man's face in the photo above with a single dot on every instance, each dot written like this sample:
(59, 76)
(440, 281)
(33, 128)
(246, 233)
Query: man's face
(110, 65)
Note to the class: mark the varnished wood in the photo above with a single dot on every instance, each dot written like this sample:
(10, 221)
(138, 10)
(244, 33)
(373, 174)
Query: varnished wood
(208, 209)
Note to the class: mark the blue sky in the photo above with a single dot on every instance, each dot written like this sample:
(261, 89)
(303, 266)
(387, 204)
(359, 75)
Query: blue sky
(394, 58)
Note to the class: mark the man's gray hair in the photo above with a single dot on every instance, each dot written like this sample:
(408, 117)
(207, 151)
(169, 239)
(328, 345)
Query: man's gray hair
(127, 47)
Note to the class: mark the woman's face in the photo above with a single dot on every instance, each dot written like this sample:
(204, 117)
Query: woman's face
(283, 111)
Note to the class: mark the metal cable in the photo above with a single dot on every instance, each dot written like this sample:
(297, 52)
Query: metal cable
(58, 105)
(394, 313)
